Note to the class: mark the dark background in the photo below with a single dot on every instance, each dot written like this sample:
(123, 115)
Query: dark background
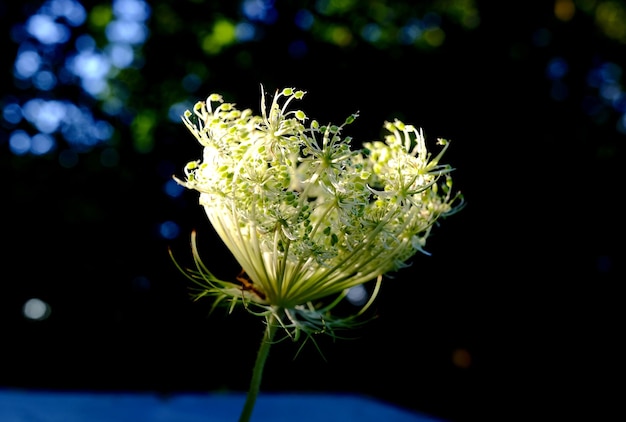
(524, 280)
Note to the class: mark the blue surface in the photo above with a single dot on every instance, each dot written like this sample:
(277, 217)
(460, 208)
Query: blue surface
(44, 406)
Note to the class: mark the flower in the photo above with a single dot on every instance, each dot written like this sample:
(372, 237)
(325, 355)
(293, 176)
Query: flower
(306, 215)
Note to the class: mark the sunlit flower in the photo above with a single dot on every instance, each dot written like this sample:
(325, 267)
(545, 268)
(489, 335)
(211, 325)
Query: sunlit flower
(305, 215)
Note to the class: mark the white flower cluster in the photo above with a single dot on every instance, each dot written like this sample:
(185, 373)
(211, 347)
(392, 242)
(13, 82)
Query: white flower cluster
(305, 214)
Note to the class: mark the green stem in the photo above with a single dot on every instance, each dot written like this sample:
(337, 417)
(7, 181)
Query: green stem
(257, 374)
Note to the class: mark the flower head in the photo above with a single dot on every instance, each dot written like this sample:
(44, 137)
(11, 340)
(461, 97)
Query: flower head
(306, 215)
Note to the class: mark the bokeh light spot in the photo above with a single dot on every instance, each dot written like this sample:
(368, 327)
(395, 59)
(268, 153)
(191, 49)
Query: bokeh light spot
(46, 30)
(132, 10)
(610, 72)
(260, 10)
(169, 230)
(611, 92)
(27, 63)
(357, 295)
(304, 19)
(12, 113)
(564, 10)
(85, 43)
(611, 18)
(101, 15)
(89, 65)
(123, 31)
(557, 68)
(340, 35)
(121, 55)
(36, 309)
(45, 115)
(173, 189)
(371, 32)
(19, 142)
(176, 111)
(245, 31)
(434, 36)
(42, 144)
(410, 32)
(223, 34)
(461, 358)
(71, 10)
(103, 130)
(44, 80)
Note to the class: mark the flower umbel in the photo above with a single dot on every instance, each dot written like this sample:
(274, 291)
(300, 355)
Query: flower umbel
(305, 215)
